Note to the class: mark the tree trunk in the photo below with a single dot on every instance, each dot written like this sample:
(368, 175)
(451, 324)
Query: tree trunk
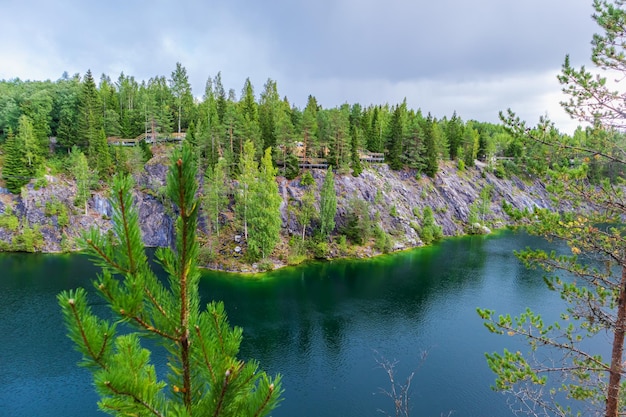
(615, 372)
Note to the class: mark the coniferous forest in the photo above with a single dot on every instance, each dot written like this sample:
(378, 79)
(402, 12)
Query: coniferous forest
(85, 130)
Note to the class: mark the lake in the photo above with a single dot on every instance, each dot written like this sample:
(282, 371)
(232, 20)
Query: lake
(321, 325)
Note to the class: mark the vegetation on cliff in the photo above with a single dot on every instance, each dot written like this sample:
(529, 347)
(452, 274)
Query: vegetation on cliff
(401, 179)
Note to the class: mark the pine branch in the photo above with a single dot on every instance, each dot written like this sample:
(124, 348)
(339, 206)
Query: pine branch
(96, 357)
(134, 397)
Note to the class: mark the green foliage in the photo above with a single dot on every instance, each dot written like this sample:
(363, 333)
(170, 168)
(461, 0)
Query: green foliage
(358, 223)
(29, 239)
(589, 218)
(292, 170)
(215, 194)
(204, 376)
(307, 179)
(430, 231)
(328, 204)
(264, 213)
(382, 241)
(56, 208)
(320, 249)
(86, 177)
(9, 221)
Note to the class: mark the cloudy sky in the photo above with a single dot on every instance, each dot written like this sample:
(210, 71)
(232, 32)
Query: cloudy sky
(473, 56)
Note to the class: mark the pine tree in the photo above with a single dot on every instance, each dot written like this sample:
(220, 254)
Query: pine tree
(269, 105)
(328, 204)
(310, 142)
(590, 219)
(179, 84)
(204, 376)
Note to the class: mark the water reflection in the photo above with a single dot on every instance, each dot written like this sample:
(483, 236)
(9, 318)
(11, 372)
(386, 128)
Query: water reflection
(318, 325)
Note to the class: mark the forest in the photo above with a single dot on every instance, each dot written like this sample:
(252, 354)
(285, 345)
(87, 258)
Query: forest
(86, 131)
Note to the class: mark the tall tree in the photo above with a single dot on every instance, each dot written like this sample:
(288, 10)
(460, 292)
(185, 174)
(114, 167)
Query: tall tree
(454, 132)
(355, 139)
(248, 173)
(90, 120)
(594, 230)
(204, 376)
(284, 133)
(29, 145)
(269, 105)
(413, 154)
(430, 148)
(328, 204)
(395, 136)
(310, 144)
(100, 156)
(84, 176)
(264, 214)
(179, 83)
(14, 171)
(220, 97)
(338, 131)
(216, 198)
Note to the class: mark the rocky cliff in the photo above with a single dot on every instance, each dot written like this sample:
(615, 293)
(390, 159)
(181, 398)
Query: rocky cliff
(395, 199)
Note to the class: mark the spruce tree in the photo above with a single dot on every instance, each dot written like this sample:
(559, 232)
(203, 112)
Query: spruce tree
(90, 118)
(355, 142)
(430, 149)
(14, 171)
(204, 376)
(395, 137)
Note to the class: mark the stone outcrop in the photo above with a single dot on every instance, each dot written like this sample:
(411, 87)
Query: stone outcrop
(393, 199)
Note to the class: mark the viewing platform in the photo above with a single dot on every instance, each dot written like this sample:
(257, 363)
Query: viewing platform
(148, 137)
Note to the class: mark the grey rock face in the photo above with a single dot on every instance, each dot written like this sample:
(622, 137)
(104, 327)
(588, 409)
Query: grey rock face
(395, 200)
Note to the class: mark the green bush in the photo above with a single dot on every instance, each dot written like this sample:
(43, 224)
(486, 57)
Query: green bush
(382, 241)
(9, 221)
(29, 240)
(320, 250)
(431, 232)
(307, 179)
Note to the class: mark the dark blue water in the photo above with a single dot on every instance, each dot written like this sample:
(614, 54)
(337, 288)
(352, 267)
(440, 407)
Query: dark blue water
(319, 325)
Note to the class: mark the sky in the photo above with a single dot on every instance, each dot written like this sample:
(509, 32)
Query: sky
(475, 57)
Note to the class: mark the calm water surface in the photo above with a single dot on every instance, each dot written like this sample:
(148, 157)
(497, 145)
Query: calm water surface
(319, 325)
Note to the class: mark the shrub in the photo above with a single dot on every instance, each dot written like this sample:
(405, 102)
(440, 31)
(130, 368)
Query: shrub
(307, 179)
(382, 241)
(320, 250)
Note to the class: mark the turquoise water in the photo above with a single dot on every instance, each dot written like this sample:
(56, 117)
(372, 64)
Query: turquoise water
(321, 325)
